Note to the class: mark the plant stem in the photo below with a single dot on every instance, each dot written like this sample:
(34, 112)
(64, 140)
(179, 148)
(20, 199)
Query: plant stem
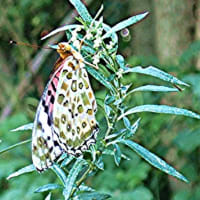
(84, 176)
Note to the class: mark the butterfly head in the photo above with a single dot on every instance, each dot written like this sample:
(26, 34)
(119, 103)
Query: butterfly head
(65, 50)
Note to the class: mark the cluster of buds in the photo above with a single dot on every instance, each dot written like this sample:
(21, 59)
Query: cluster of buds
(74, 38)
(97, 42)
(119, 73)
(110, 45)
(94, 33)
(96, 59)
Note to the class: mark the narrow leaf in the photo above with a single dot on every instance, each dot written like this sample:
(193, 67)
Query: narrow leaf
(127, 123)
(123, 24)
(153, 159)
(86, 188)
(62, 157)
(117, 154)
(48, 197)
(132, 130)
(108, 110)
(14, 146)
(153, 88)
(119, 101)
(82, 10)
(67, 160)
(61, 29)
(71, 178)
(113, 35)
(109, 99)
(120, 61)
(100, 163)
(93, 195)
(125, 88)
(51, 186)
(24, 170)
(153, 71)
(161, 109)
(116, 134)
(60, 173)
(111, 153)
(24, 127)
(100, 78)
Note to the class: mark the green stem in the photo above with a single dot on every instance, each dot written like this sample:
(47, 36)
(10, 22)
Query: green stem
(110, 125)
(84, 176)
(78, 183)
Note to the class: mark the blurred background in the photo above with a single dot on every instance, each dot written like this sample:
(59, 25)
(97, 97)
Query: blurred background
(168, 39)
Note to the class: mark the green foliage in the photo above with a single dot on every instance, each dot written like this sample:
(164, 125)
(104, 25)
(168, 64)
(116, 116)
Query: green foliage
(114, 107)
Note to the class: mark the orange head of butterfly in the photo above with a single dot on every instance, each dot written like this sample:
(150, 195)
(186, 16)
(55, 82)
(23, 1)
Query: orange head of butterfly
(65, 50)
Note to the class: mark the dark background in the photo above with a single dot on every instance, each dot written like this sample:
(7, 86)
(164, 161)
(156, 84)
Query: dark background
(168, 39)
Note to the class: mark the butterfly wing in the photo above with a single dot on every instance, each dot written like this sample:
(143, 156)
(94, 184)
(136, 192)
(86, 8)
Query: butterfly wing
(74, 109)
(45, 143)
(65, 118)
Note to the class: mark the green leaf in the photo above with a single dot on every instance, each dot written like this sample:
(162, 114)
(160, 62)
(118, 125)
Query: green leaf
(71, 178)
(100, 78)
(120, 61)
(58, 30)
(132, 130)
(82, 10)
(123, 24)
(100, 163)
(153, 71)
(109, 99)
(67, 160)
(24, 170)
(51, 186)
(117, 154)
(48, 197)
(62, 157)
(116, 134)
(111, 153)
(92, 195)
(88, 49)
(112, 35)
(14, 146)
(86, 188)
(119, 101)
(108, 110)
(152, 159)
(125, 88)
(152, 88)
(161, 109)
(93, 152)
(24, 127)
(127, 123)
(60, 173)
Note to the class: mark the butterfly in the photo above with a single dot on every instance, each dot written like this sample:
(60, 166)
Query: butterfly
(65, 118)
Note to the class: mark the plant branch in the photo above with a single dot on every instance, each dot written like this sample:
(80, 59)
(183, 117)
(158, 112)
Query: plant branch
(84, 176)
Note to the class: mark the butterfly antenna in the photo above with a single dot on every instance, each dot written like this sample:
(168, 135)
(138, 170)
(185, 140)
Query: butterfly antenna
(28, 45)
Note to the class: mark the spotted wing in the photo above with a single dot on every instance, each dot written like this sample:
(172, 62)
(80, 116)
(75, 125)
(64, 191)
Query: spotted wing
(74, 109)
(45, 143)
